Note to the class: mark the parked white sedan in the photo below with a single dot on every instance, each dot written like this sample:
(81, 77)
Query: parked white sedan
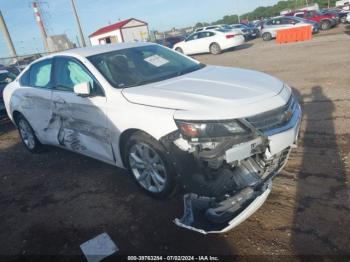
(213, 41)
(221, 133)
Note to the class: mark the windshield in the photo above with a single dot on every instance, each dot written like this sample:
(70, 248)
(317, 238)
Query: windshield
(142, 65)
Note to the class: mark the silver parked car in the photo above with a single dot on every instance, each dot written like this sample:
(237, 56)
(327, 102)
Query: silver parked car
(270, 27)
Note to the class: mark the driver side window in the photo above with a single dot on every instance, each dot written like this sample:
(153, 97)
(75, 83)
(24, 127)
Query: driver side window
(69, 73)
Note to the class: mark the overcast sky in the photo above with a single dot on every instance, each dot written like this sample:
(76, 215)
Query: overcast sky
(160, 14)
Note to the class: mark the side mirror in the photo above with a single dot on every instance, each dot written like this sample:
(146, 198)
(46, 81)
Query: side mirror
(82, 89)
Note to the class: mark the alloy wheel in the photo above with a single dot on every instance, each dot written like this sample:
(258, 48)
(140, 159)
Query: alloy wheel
(147, 167)
(215, 49)
(26, 134)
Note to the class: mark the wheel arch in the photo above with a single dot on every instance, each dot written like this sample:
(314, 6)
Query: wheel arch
(326, 20)
(123, 139)
(212, 43)
(15, 115)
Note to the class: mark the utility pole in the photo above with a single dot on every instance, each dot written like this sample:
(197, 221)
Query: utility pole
(82, 40)
(7, 36)
(41, 25)
(239, 19)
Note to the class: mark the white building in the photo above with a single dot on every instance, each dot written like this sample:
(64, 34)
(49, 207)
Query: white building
(124, 31)
(59, 43)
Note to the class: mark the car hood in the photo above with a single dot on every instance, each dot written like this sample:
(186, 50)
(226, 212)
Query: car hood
(212, 92)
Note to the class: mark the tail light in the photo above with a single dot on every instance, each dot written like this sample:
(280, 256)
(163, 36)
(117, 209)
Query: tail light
(230, 36)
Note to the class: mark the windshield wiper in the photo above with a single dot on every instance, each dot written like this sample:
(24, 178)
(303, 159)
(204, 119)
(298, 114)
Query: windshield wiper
(191, 69)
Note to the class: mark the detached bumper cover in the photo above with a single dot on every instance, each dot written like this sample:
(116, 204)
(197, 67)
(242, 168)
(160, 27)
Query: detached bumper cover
(246, 203)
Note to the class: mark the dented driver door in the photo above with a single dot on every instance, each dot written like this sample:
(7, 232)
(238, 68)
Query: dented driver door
(79, 123)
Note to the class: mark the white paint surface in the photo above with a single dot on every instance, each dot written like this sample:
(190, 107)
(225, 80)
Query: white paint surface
(98, 248)
(202, 44)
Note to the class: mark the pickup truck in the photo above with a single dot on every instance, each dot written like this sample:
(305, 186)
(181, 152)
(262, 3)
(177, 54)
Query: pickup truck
(326, 21)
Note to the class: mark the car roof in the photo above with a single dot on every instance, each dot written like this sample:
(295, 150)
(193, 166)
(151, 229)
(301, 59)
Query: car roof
(95, 50)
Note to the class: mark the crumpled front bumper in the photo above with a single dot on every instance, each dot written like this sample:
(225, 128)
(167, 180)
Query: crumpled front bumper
(238, 187)
(195, 210)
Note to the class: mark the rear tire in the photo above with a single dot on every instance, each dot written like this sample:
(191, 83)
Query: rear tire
(325, 25)
(266, 36)
(147, 161)
(178, 49)
(215, 49)
(28, 137)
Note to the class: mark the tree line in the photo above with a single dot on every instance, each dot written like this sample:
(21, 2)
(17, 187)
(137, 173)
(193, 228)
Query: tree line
(268, 11)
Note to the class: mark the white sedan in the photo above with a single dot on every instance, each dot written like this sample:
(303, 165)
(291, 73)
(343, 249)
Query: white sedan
(220, 133)
(209, 41)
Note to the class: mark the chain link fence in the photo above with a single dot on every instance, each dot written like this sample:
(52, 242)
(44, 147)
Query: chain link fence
(21, 61)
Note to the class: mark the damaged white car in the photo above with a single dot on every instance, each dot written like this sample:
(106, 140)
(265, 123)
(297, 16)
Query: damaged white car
(219, 133)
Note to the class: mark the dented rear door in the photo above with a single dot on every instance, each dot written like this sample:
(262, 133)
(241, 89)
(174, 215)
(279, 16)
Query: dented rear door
(33, 99)
(80, 123)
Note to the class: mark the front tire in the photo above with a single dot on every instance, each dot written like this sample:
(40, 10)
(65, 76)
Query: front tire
(267, 36)
(146, 159)
(325, 25)
(27, 134)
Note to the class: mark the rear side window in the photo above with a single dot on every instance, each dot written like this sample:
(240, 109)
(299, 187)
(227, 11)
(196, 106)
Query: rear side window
(205, 34)
(40, 74)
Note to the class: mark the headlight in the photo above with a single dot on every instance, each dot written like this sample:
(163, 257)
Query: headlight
(211, 129)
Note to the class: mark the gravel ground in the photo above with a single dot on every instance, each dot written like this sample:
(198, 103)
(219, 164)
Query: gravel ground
(51, 203)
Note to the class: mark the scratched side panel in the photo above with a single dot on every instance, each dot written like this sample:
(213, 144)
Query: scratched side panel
(80, 124)
(36, 106)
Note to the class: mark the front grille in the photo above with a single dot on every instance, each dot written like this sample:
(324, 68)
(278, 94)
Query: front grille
(274, 164)
(274, 118)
